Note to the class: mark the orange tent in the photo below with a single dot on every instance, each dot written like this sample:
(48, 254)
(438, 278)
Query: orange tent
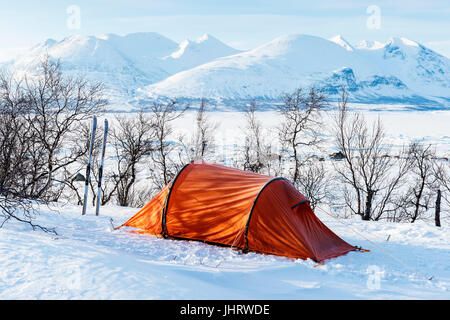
(231, 207)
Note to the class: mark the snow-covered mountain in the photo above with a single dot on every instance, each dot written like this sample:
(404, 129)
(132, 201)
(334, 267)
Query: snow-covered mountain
(147, 66)
(120, 62)
(398, 71)
(123, 63)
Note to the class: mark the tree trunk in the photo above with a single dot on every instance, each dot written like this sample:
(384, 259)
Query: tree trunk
(368, 211)
(437, 212)
(418, 198)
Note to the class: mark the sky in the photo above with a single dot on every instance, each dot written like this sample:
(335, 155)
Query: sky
(243, 24)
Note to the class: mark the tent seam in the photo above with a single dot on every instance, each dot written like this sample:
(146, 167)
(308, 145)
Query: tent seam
(251, 210)
(166, 205)
(299, 203)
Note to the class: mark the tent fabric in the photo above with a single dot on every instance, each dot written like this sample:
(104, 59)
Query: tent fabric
(231, 207)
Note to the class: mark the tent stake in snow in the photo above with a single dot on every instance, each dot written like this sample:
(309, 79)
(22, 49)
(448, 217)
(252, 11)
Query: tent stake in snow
(88, 169)
(100, 171)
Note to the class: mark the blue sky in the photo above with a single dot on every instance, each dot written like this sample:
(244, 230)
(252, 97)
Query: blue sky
(242, 24)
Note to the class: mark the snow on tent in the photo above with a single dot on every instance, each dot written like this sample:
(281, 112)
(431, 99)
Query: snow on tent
(231, 207)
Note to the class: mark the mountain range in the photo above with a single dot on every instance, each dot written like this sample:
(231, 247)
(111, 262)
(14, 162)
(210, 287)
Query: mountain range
(143, 67)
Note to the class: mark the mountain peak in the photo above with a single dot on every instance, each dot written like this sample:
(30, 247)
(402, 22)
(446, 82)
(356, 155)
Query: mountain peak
(338, 39)
(205, 43)
(141, 45)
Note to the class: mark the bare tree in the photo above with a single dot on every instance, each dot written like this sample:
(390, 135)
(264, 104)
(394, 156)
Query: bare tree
(200, 144)
(41, 118)
(300, 137)
(132, 140)
(386, 206)
(164, 167)
(254, 152)
(367, 168)
(56, 106)
(204, 136)
(418, 198)
(17, 156)
(314, 182)
(259, 153)
(16, 141)
(301, 125)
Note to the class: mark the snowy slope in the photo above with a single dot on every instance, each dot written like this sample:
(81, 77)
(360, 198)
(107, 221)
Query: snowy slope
(87, 260)
(400, 70)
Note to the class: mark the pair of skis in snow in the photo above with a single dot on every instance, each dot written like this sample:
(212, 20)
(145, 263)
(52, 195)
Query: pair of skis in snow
(100, 171)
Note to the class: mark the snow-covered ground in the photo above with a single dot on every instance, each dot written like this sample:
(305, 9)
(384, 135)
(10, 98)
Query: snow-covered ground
(428, 127)
(88, 260)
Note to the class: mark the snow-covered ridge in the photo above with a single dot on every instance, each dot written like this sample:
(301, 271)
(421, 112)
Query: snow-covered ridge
(398, 71)
(147, 66)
